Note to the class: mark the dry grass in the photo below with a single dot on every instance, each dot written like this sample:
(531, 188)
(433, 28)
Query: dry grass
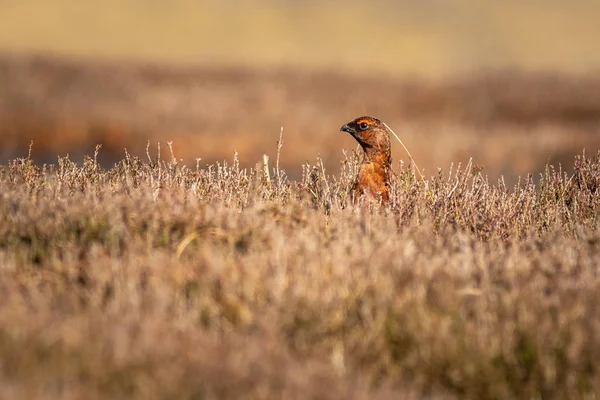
(461, 287)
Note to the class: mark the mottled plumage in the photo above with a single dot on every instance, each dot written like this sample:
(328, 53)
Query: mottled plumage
(374, 171)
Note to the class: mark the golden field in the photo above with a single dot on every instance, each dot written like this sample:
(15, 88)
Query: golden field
(419, 38)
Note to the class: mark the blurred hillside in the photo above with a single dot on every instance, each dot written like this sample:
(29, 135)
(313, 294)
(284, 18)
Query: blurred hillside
(427, 38)
(512, 85)
(511, 123)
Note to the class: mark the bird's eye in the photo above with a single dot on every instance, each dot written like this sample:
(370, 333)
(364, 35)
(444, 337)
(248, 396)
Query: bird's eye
(364, 125)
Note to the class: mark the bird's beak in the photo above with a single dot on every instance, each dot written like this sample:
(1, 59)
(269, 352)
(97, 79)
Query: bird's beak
(346, 128)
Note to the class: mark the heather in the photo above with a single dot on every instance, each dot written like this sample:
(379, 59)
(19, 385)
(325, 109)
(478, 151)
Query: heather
(155, 279)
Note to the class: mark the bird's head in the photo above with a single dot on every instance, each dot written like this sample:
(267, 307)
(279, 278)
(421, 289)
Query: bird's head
(370, 133)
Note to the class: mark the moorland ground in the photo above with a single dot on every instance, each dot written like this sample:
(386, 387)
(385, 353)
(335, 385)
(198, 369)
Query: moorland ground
(154, 280)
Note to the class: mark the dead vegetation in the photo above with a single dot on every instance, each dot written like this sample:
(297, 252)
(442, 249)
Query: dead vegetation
(155, 280)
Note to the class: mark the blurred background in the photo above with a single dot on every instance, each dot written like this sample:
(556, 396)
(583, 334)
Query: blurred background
(512, 84)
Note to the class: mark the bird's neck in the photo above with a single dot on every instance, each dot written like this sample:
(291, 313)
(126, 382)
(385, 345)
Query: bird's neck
(377, 156)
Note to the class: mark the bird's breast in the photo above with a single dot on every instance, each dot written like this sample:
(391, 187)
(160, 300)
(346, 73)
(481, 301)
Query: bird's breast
(372, 179)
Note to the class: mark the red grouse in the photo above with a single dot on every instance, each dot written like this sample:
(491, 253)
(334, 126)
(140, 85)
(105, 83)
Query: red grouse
(374, 171)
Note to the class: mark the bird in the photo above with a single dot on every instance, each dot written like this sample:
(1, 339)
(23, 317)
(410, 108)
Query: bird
(373, 179)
